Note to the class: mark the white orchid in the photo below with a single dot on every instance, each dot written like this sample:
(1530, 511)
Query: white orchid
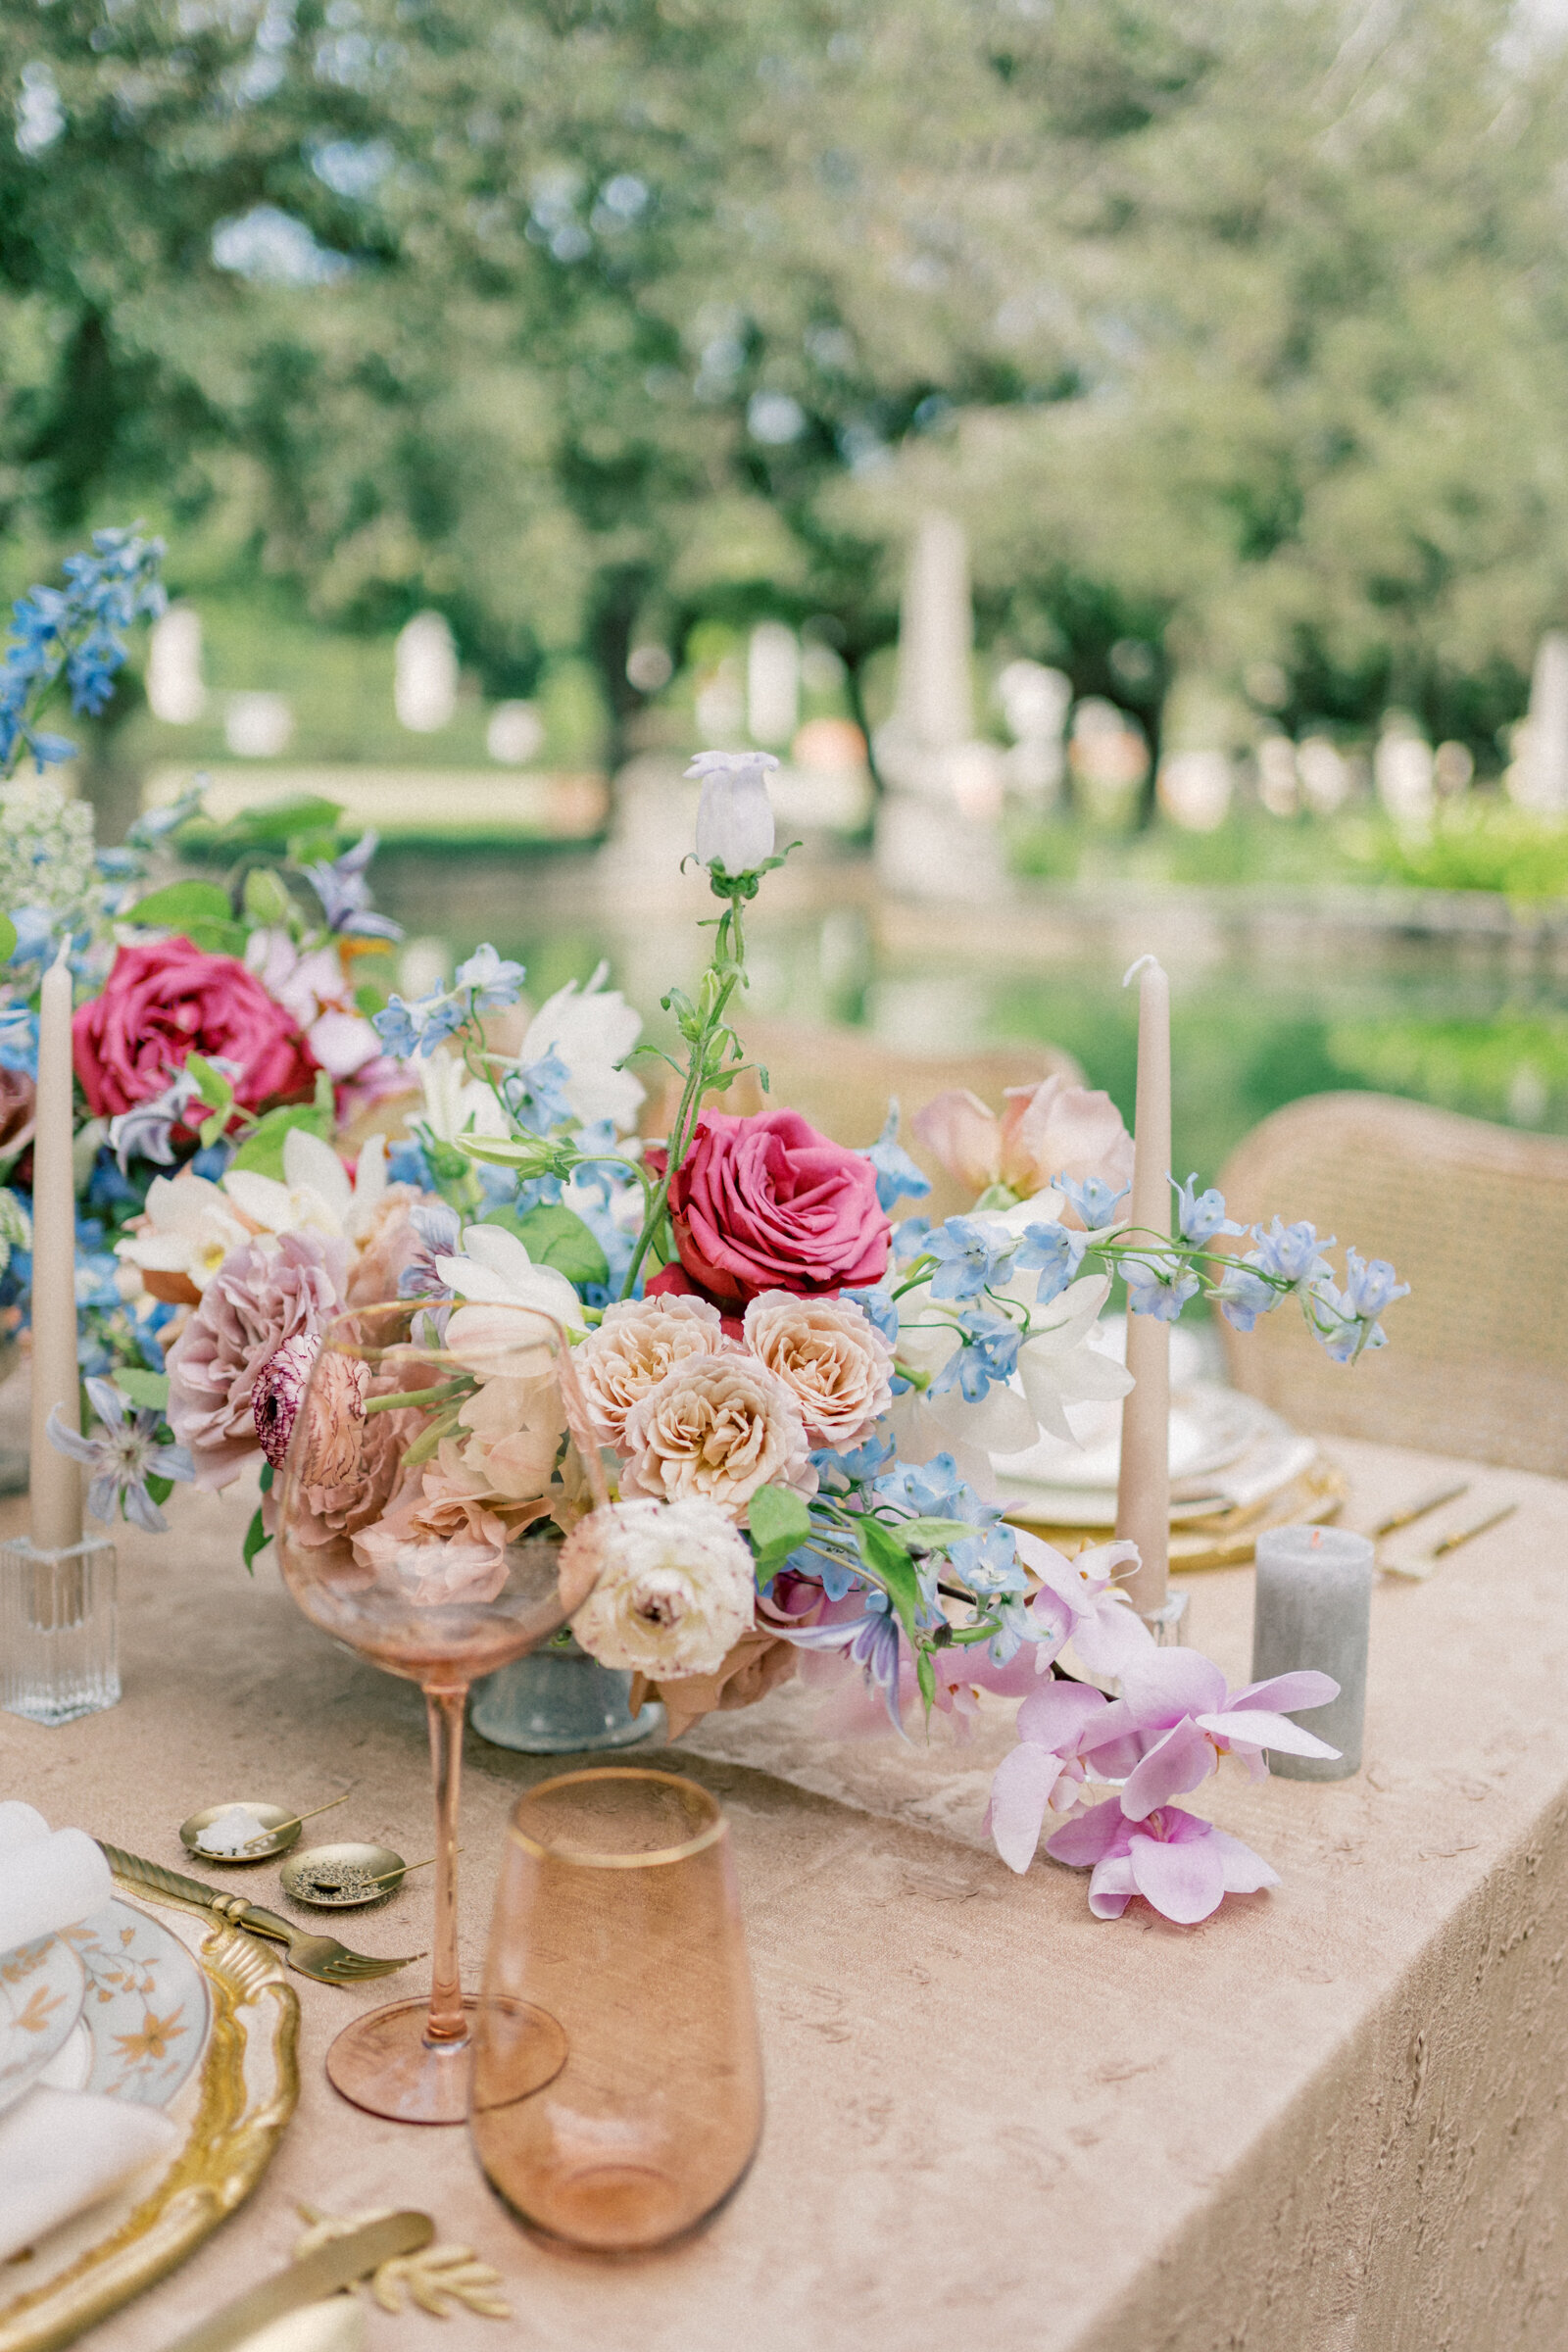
(734, 818)
(591, 1031)
(315, 1193)
(495, 1277)
(190, 1229)
(457, 1105)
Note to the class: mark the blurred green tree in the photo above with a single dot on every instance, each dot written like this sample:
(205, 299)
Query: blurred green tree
(1235, 334)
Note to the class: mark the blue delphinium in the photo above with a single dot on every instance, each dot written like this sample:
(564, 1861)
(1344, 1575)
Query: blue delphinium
(1094, 1200)
(1057, 1252)
(897, 1176)
(988, 1351)
(77, 630)
(970, 1257)
(1161, 1290)
(1199, 1216)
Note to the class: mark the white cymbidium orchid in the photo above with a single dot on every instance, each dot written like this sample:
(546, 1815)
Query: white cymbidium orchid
(590, 1030)
(457, 1105)
(190, 1229)
(495, 1276)
(734, 818)
(315, 1193)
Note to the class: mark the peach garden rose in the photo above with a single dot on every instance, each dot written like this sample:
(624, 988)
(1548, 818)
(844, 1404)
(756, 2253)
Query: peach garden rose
(716, 1427)
(830, 1357)
(638, 1341)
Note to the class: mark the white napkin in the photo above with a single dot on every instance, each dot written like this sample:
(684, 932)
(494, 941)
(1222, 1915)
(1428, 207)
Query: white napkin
(20, 1824)
(49, 1879)
(61, 2150)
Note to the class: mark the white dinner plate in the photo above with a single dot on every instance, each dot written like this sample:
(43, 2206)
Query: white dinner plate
(1210, 1427)
(143, 2023)
(42, 1986)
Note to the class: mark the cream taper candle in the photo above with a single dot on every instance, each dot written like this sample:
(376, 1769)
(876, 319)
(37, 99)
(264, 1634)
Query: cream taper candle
(1143, 1490)
(55, 1480)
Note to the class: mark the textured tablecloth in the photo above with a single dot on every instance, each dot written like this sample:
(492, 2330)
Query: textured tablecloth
(1333, 2119)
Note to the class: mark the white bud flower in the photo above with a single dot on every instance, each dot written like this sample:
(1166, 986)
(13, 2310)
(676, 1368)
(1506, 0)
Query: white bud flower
(735, 818)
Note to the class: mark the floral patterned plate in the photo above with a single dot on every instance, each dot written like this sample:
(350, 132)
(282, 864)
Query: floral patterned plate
(41, 1988)
(144, 2018)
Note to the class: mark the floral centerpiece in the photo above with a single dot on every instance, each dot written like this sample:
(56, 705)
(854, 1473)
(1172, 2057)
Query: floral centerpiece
(795, 1394)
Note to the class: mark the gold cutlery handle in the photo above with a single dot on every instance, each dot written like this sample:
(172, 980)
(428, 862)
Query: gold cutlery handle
(180, 1889)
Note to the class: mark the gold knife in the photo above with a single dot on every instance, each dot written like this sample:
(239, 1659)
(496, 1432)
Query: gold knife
(337, 2264)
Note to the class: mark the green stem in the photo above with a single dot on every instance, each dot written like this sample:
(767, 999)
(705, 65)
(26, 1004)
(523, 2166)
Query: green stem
(424, 1397)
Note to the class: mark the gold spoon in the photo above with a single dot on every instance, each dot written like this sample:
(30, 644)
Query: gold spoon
(278, 1829)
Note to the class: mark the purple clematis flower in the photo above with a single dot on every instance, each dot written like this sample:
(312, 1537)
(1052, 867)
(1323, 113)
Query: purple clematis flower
(1175, 1702)
(1182, 1866)
(123, 1457)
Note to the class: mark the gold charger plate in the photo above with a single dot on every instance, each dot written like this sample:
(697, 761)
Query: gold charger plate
(1225, 1540)
(246, 2091)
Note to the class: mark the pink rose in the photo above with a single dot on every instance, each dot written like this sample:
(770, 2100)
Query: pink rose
(261, 1295)
(165, 1001)
(766, 1203)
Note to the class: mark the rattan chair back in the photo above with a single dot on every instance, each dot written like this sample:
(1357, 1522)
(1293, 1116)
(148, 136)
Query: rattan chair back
(1475, 1218)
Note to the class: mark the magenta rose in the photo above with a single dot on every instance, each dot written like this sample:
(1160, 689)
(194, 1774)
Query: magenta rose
(766, 1203)
(167, 999)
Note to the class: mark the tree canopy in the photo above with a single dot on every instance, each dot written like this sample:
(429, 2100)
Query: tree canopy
(1235, 335)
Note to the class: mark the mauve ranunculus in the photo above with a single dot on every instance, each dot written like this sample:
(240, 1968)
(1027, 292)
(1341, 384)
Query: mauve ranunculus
(766, 1203)
(167, 999)
(269, 1291)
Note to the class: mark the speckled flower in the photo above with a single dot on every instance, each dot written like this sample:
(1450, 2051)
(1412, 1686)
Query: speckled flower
(830, 1357)
(717, 1427)
(672, 1587)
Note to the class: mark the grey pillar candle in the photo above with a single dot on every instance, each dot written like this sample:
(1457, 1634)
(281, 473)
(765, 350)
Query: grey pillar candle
(1312, 1609)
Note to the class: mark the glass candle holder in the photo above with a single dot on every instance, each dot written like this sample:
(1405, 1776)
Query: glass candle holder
(617, 1918)
(59, 1629)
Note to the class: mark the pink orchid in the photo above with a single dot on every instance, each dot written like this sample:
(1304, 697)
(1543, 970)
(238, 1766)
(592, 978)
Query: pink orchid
(1182, 1866)
(1080, 1601)
(1181, 1695)
(1062, 1734)
(1045, 1132)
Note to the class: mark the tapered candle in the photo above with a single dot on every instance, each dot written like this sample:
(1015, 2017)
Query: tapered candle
(55, 1480)
(1143, 1490)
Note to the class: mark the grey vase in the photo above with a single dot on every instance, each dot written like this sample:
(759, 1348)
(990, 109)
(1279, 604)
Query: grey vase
(560, 1702)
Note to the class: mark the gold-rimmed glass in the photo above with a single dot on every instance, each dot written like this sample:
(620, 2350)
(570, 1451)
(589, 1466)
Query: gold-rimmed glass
(617, 1918)
(438, 1590)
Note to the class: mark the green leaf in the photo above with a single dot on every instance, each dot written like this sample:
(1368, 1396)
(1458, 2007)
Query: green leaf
(779, 1523)
(934, 1535)
(369, 999)
(925, 1674)
(894, 1570)
(160, 1489)
(147, 1390)
(8, 938)
(557, 1237)
(179, 905)
(214, 1088)
(262, 1147)
(257, 1539)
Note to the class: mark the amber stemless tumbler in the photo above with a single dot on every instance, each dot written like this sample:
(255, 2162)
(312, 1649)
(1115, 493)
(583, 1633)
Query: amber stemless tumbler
(616, 1916)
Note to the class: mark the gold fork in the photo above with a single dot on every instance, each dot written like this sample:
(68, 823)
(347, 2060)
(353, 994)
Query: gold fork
(320, 1957)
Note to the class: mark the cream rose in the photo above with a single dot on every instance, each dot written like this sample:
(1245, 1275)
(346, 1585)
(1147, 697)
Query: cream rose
(638, 1341)
(672, 1587)
(830, 1357)
(718, 1427)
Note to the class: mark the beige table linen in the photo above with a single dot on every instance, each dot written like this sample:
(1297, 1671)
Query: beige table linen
(1332, 2119)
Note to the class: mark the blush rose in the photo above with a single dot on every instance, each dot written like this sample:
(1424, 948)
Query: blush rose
(766, 1203)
